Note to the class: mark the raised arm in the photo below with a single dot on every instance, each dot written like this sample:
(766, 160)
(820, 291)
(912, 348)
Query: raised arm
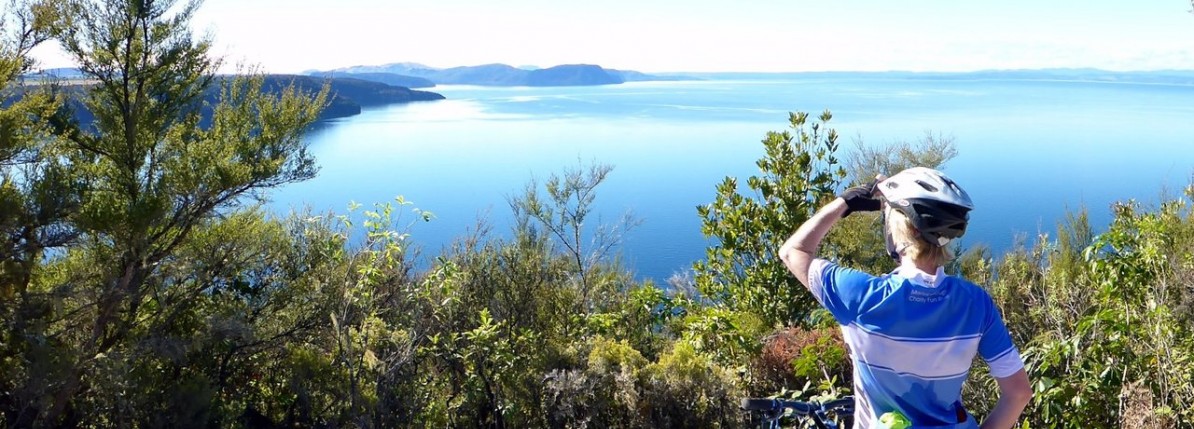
(800, 249)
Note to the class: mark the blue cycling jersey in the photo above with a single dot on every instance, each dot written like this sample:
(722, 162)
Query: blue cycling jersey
(912, 337)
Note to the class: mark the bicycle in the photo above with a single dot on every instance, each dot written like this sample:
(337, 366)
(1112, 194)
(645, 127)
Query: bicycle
(818, 412)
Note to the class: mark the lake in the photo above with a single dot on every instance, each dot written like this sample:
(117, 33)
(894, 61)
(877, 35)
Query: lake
(1028, 150)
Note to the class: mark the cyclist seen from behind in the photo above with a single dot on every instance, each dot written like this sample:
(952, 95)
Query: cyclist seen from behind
(913, 333)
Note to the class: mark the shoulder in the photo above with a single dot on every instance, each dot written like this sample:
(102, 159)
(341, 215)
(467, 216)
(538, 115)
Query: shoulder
(833, 275)
(846, 291)
(975, 298)
(825, 266)
(967, 288)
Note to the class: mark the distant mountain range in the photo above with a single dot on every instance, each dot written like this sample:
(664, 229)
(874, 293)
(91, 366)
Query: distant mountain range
(362, 86)
(498, 75)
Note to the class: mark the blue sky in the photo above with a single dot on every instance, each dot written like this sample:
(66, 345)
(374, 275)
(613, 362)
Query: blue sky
(712, 35)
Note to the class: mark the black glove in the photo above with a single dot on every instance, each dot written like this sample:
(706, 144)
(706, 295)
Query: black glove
(861, 198)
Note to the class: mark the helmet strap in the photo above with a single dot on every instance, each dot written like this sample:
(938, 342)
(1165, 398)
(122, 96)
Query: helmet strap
(891, 247)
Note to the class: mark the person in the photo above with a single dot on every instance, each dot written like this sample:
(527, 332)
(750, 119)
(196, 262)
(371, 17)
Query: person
(913, 333)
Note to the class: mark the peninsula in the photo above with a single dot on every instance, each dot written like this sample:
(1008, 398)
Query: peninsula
(495, 75)
(347, 95)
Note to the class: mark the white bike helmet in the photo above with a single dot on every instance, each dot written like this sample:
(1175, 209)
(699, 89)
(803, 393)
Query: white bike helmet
(936, 205)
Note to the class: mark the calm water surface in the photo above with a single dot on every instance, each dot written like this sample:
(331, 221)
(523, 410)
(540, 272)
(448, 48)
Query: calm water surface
(1028, 150)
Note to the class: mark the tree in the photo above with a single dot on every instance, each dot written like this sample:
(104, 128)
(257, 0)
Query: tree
(742, 269)
(563, 213)
(932, 150)
(857, 241)
(38, 196)
(35, 189)
(153, 176)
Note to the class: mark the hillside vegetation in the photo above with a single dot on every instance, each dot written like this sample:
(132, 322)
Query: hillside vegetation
(386, 78)
(346, 97)
(142, 285)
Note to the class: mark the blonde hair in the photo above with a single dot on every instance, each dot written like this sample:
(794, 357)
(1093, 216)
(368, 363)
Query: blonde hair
(908, 241)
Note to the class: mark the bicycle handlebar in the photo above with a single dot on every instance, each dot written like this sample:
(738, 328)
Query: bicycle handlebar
(757, 404)
(844, 404)
(773, 410)
(802, 408)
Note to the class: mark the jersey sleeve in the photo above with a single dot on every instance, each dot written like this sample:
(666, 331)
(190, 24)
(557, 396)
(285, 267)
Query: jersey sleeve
(996, 345)
(839, 289)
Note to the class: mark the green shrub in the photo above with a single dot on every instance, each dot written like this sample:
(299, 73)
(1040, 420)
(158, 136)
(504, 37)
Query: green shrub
(686, 389)
(604, 394)
(742, 269)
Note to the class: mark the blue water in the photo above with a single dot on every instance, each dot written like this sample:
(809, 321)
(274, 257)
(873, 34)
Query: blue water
(1028, 150)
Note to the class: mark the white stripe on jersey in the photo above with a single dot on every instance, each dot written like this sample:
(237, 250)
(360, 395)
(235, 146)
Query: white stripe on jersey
(926, 359)
(816, 271)
(1006, 363)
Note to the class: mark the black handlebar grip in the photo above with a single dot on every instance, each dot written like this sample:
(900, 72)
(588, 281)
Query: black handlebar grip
(846, 403)
(755, 404)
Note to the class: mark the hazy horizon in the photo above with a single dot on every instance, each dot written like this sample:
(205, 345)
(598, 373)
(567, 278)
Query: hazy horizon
(540, 66)
(672, 36)
(730, 72)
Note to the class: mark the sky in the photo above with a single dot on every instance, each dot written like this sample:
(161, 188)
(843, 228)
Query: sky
(290, 36)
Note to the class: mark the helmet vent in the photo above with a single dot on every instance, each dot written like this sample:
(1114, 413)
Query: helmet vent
(927, 186)
(953, 185)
